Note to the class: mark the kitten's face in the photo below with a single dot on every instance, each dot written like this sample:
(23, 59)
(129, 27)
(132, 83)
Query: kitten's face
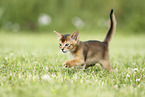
(68, 42)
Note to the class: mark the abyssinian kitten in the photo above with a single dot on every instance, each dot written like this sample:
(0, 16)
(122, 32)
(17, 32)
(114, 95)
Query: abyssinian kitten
(87, 53)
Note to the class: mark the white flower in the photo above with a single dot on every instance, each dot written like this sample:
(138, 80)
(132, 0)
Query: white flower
(23, 56)
(1, 65)
(116, 86)
(116, 70)
(78, 22)
(44, 19)
(138, 79)
(127, 75)
(81, 81)
(19, 76)
(53, 75)
(135, 69)
(6, 58)
(46, 77)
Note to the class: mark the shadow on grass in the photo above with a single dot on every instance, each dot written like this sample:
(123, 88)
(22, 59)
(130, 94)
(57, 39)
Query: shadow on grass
(74, 70)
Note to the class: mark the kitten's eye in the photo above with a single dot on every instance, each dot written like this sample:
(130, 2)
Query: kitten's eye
(67, 44)
(60, 45)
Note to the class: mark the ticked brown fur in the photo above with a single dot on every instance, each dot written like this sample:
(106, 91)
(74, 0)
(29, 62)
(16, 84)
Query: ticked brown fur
(87, 53)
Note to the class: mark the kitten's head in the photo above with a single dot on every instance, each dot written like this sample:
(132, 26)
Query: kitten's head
(68, 42)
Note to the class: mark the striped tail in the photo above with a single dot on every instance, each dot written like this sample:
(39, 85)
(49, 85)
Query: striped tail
(111, 28)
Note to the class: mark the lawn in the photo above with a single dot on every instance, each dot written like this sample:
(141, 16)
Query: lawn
(31, 66)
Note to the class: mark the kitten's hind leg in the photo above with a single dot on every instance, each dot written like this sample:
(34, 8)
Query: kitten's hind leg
(88, 65)
(106, 65)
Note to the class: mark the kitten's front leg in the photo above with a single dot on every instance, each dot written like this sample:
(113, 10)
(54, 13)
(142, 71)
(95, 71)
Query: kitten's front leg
(73, 62)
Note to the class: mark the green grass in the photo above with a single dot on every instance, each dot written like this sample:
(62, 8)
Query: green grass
(31, 66)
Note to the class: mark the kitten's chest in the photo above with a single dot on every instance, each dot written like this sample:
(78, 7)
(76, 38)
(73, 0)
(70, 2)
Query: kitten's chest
(76, 55)
(72, 56)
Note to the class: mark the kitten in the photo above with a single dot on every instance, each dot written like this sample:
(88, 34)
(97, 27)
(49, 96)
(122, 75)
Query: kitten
(87, 53)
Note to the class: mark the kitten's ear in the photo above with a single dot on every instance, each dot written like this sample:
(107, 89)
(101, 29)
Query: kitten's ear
(58, 34)
(75, 35)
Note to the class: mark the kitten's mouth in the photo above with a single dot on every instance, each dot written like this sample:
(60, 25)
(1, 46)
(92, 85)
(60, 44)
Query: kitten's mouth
(64, 51)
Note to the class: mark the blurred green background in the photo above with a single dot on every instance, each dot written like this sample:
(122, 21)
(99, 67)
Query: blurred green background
(31, 61)
(69, 15)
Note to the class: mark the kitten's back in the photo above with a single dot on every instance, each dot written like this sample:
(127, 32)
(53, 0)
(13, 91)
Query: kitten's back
(94, 50)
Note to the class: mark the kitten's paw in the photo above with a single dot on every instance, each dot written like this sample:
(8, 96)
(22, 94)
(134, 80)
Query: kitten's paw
(67, 64)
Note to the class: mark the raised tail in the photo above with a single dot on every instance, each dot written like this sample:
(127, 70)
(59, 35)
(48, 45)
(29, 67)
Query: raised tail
(111, 28)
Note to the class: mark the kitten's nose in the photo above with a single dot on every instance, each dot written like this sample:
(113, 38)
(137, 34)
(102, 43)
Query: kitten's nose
(62, 49)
